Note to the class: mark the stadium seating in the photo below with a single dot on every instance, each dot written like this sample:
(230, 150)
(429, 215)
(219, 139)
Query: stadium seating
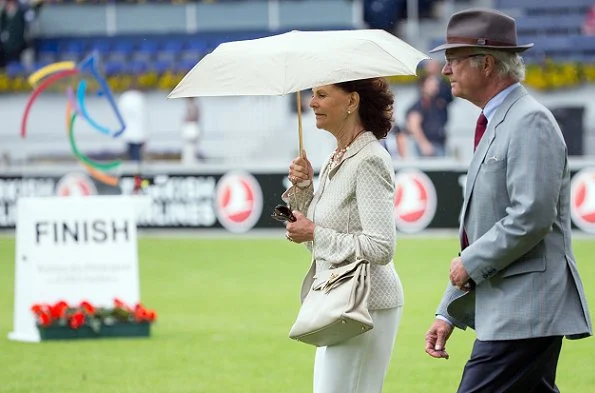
(554, 26)
(550, 24)
(136, 53)
(553, 7)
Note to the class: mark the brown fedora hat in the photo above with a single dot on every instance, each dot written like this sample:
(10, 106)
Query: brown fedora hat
(482, 28)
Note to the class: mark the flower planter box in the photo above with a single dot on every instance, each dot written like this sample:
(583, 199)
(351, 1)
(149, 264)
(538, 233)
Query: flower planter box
(142, 329)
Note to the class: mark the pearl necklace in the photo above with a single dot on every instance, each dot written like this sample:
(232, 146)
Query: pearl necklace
(339, 153)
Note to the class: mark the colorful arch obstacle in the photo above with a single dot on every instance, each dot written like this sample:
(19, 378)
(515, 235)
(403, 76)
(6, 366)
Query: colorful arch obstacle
(76, 107)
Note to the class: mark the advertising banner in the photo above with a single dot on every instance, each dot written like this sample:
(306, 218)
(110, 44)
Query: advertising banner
(239, 200)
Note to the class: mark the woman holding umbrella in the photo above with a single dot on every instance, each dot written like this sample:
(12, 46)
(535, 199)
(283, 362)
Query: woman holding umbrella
(353, 206)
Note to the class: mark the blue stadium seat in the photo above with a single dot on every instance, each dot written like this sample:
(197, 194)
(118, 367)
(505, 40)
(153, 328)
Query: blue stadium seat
(15, 68)
(173, 45)
(170, 50)
(199, 45)
(583, 43)
(48, 45)
(136, 67)
(114, 67)
(146, 49)
(184, 65)
(194, 50)
(101, 46)
(73, 50)
(541, 4)
(122, 49)
(48, 56)
(162, 66)
(549, 43)
(549, 24)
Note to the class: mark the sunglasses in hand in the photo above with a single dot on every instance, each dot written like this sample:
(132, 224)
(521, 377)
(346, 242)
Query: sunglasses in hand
(283, 213)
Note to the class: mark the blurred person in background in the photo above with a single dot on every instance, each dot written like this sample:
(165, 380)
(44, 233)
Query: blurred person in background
(426, 120)
(388, 14)
(588, 27)
(515, 280)
(397, 143)
(384, 14)
(433, 68)
(190, 131)
(2, 61)
(12, 31)
(133, 109)
(353, 204)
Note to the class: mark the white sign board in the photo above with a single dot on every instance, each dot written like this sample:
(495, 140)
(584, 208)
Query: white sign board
(74, 249)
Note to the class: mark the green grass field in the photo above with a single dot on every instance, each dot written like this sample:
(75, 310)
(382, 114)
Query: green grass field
(225, 308)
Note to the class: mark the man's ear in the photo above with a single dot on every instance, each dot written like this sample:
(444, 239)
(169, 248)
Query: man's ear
(489, 64)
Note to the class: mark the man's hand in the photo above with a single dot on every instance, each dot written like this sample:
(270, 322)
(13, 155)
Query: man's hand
(436, 339)
(458, 275)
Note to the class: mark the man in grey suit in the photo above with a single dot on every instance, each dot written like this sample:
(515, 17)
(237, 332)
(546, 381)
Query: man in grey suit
(515, 281)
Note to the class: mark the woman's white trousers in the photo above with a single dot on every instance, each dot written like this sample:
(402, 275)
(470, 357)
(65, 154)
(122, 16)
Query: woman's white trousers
(358, 365)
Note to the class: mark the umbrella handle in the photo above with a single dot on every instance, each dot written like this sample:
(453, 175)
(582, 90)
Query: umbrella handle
(299, 112)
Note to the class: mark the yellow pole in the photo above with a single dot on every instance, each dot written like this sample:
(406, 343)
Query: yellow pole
(299, 112)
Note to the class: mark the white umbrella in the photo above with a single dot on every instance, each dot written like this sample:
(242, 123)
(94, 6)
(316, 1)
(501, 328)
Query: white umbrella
(298, 60)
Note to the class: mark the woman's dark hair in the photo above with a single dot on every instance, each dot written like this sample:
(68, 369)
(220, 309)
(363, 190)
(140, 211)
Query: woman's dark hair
(375, 105)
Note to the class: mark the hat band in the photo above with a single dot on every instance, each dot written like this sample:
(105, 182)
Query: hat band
(477, 41)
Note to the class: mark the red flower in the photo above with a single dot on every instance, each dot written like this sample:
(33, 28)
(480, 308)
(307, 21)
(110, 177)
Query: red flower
(142, 314)
(44, 319)
(59, 309)
(39, 308)
(87, 307)
(76, 320)
(120, 304)
(139, 313)
(151, 316)
(86, 313)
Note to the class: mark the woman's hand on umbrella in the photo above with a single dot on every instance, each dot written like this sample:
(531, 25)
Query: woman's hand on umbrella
(302, 230)
(300, 170)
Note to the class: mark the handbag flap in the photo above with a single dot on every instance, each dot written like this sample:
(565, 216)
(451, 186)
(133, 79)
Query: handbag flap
(329, 279)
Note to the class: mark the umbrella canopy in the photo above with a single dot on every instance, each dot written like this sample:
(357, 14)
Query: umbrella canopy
(298, 60)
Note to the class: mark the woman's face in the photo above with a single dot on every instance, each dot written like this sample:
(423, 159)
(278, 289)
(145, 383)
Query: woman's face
(330, 105)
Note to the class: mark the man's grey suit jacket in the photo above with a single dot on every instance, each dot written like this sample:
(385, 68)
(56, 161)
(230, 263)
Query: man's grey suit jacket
(516, 217)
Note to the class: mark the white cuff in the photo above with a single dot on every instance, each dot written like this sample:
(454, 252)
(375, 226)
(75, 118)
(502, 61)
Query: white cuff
(443, 318)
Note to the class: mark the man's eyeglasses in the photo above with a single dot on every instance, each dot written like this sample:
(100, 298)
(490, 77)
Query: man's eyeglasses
(450, 60)
(283, 213)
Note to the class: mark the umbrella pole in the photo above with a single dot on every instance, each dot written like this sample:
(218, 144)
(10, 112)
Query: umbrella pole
(299, 112)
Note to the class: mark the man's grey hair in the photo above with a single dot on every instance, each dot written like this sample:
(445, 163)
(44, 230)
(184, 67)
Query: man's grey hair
(508, 64)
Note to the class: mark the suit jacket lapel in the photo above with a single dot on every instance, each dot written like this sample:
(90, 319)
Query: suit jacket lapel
(484, 144)
(358, 144)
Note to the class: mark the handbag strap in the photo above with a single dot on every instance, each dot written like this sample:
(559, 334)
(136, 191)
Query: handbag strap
(358, 250)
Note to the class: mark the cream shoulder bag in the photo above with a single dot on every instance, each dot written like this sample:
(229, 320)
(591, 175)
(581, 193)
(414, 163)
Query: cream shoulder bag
(336, 306)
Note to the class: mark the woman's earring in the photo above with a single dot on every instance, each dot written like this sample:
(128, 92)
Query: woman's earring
(349, 112)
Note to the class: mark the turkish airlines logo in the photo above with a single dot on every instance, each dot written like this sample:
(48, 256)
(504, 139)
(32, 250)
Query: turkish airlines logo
(75, 184)
(582, 200)
(415, 200)
(238, 201)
